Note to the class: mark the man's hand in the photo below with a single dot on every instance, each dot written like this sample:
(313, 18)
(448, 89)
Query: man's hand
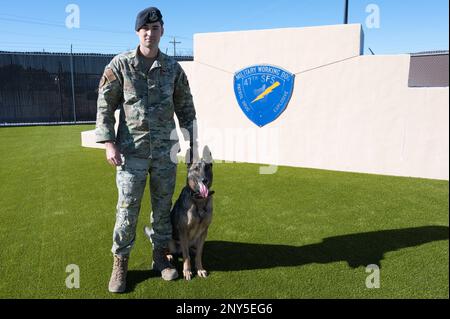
(113, 154)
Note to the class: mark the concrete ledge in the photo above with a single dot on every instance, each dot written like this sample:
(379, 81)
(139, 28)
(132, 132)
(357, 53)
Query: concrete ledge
(88, 137)
(88, 140)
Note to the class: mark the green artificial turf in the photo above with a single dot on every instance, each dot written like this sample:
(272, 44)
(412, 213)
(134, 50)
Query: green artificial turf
(298, 233)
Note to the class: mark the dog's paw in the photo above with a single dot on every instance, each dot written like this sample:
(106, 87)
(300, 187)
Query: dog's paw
(187, 274)
(170, 257)
(202, 273)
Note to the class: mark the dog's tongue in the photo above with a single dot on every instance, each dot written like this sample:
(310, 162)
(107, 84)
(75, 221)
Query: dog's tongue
(203, 190)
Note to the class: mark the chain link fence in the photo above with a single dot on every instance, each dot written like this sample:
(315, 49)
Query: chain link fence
(51, 88)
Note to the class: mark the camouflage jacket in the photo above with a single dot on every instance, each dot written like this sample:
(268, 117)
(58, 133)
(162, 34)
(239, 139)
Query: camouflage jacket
(147, 103)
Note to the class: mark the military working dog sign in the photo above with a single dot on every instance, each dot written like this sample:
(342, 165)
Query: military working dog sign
(263, 92)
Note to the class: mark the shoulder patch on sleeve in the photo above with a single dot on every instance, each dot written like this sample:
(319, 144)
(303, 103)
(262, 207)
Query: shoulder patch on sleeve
(109, 75)
(102, 82)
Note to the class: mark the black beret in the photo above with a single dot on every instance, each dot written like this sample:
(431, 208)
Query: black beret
(148, 15)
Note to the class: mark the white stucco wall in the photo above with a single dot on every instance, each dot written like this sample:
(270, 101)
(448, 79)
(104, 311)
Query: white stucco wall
(347, 112)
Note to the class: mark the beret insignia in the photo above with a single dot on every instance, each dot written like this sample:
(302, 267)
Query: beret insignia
(153, 16)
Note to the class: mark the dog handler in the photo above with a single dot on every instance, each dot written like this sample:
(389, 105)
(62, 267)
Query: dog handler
(148, 87)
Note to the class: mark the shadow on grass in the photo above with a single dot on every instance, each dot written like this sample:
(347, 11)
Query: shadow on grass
(135, 277)
(356, 249)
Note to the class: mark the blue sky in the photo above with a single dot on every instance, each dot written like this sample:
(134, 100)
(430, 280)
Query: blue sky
(108, 26)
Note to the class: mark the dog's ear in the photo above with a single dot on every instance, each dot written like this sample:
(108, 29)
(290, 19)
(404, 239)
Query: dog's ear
(207, 156)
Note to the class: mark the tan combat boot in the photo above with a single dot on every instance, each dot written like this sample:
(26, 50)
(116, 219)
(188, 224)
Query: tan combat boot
(118, 280)
(162, 264)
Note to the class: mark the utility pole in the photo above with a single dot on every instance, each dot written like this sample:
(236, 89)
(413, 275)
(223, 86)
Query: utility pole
(174, 46)
(346, 12)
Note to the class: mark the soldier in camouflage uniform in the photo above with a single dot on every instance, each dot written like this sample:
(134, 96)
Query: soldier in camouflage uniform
(148, 87)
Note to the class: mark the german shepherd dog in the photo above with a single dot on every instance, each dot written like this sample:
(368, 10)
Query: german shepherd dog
(191, 215)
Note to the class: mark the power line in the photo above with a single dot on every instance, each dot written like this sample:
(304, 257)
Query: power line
(92, 29)
(78, 42)
(29, 20)
(52, 37)
(177, 36)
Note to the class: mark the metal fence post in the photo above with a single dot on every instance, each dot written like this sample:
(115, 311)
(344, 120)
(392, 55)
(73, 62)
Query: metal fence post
(73, 86)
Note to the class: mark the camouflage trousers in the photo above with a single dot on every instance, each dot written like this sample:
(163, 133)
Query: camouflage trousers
(131, 179)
